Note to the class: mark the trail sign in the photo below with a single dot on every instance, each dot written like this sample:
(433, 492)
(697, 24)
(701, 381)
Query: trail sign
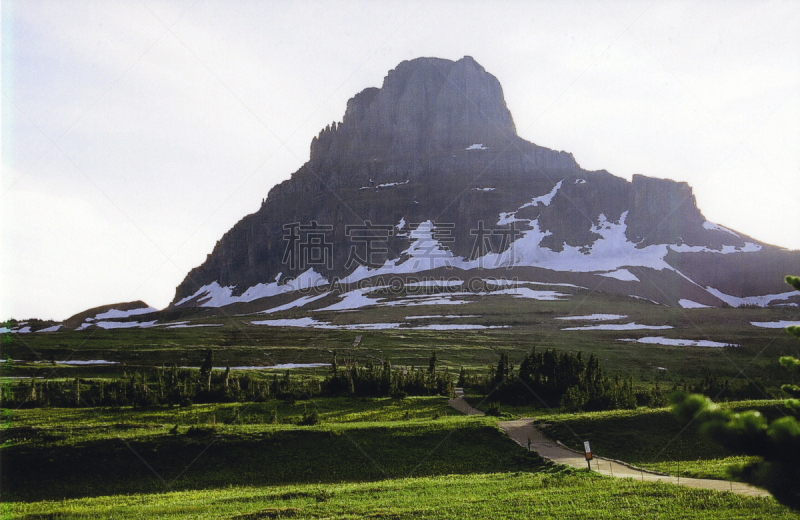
(588, 451)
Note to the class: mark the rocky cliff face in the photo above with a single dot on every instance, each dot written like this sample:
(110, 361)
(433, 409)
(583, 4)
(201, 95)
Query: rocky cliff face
(425, 106)
(436, 144)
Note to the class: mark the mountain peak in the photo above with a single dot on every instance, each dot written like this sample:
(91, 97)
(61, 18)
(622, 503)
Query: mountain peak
(425, 106)
(435, 147)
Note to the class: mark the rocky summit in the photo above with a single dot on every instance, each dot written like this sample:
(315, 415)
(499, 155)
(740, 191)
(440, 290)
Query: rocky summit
(425, 181)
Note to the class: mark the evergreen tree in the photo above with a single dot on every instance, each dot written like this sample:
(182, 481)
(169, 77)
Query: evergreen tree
(462, 378)
(206, 368)
(432, 363)
(776, 442)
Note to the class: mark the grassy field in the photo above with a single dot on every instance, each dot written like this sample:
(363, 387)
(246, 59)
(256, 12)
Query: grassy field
(529, 324)
(562, 494)
(52, 454)
(379, 458)
(388, 458)
(653, 439)
(330, 409)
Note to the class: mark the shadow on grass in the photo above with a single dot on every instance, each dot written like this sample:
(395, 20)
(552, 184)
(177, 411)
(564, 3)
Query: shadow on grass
(108, 466)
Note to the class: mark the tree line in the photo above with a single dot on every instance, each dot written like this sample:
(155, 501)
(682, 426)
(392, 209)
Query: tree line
(559, 379)
(546, 378)
(185, 386)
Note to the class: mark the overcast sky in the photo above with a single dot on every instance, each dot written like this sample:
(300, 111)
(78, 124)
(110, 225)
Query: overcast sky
(136, 133)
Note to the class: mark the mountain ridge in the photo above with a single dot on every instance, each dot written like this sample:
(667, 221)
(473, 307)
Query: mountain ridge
(437, 144)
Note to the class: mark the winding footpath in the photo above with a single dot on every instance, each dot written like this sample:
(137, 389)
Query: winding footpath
(522, 431)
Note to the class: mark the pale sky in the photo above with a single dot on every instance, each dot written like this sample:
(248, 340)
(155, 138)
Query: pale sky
(136, 133)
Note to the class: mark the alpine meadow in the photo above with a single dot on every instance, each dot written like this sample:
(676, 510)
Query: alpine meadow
(432, 317)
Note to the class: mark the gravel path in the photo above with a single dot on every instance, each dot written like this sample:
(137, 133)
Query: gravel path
(522, 431)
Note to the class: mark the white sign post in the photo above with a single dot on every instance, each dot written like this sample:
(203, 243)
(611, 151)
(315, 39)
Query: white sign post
(588, 451)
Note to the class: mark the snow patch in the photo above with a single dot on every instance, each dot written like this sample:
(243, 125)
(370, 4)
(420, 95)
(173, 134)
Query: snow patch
(477, 146)
(284, 366)
(214, 295)
(368, 326)
(643, 299)
(508, 218)
(545, 199)
(436, 300)
(69, 362)
(624, 326)
(595, 317)
(506, 282)
(525, 292)
(308, 322)
(292, 322)
(621, 274)
(120, 324)
(50, 329)
(608, 253)
(716, 227)
(458, 326)
(423, 253)
(443, 316)
(300, 302)
(312, 323)
(658, 340)
(761, 301)
(355, 299)
(436, 283)
(186, 326)
(775, 324)
(484, 189)
(748, 247)
(87, 362)
(390, 184)
(115, 313)
(689, 304)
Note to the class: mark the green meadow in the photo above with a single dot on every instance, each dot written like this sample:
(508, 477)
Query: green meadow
(526, 324)
(402, 457)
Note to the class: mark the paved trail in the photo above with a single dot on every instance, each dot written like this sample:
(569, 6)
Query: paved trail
(522, 430)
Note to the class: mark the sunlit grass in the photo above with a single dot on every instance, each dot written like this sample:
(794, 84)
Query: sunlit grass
(652, 439)
(565, 494)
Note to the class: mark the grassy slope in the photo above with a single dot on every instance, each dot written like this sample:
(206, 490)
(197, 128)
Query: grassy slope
(566, 494)
(653, 439)
(377, 464)
(330, 409)
(532, 323)
(100, 456)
